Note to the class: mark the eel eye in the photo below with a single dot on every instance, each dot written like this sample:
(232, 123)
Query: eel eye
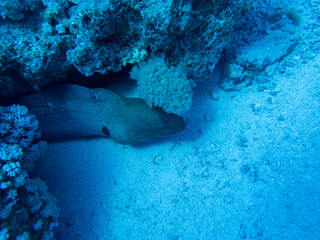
(106, 131)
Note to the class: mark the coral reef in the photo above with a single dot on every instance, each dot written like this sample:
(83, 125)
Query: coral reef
(44, 41)
(28, 210)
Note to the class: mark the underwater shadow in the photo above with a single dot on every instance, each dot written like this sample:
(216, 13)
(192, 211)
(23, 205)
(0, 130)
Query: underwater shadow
(202, 111)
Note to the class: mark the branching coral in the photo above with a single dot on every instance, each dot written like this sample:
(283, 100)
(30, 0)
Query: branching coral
(27, 209)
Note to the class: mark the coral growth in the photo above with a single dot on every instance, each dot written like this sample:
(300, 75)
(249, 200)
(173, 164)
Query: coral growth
(27, 209)
(163, 86)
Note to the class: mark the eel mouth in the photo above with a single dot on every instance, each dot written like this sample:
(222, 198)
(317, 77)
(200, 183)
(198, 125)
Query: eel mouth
(173, 128)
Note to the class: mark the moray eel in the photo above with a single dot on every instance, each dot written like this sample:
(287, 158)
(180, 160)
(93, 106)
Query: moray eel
(71, 111)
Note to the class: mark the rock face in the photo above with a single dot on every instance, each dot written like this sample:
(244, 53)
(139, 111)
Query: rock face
(44, 41)
(262, 39)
